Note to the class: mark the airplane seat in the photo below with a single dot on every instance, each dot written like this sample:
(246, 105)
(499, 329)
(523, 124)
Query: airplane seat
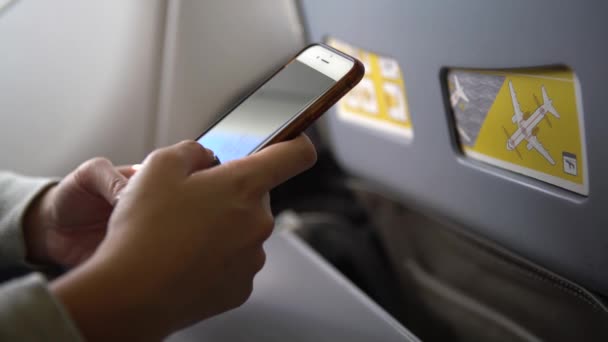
(466, 250)
(120, 78)
(483, 250)
(78, 80)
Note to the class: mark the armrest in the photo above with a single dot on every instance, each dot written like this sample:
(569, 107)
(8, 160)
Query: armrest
(298, 296)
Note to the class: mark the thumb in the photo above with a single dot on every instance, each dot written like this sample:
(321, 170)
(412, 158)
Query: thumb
(178, 161)
(99, 177)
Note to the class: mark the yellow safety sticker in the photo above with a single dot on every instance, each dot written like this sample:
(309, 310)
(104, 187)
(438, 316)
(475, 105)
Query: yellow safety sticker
(379, 101)
(529, 121)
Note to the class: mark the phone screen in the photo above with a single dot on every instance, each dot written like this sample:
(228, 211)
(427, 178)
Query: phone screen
(263, 113)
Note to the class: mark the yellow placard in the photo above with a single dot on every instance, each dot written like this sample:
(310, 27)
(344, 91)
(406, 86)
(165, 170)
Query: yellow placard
(529, 121)
(379, 101)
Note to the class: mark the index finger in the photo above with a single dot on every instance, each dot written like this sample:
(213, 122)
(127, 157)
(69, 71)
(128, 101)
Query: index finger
(275, 164)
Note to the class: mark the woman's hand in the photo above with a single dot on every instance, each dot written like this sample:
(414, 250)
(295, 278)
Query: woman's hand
(67, 222)
(184, 242)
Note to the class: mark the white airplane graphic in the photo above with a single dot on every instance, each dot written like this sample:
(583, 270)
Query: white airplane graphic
(525, 127)
(458, 94)
(455, 97)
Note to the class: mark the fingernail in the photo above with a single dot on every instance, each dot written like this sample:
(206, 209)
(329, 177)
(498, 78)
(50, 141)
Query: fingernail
(136, 167)
(216, 160)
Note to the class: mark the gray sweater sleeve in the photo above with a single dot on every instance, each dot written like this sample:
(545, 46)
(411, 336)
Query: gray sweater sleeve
(16, 193)
(28, 311)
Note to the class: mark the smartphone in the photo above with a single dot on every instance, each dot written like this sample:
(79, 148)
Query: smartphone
(285, 104)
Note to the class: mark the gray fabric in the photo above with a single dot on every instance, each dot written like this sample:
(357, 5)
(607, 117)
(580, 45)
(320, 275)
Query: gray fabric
(16, 193)
(28, 311)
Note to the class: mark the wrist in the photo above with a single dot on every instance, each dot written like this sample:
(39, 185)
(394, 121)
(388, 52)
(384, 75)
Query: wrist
(36, 224)
(106, 304)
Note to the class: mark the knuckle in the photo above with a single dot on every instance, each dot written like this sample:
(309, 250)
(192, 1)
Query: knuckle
(309, 154)
(266, 227)
(116, 184)
(275, 177)
(99, 162)
(234, 173)
(194, 150)
(252, 190)
(246, 185)
(190, 144)
(154, 156)
(243, 293)
(259, 260)
(262, 227)
(161, 157)
(84, 174)
(93, 164)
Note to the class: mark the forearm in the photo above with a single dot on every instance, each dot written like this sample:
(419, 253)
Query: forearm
(105, 307)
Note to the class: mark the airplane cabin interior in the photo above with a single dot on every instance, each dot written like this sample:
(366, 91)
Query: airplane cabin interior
(458, 193)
